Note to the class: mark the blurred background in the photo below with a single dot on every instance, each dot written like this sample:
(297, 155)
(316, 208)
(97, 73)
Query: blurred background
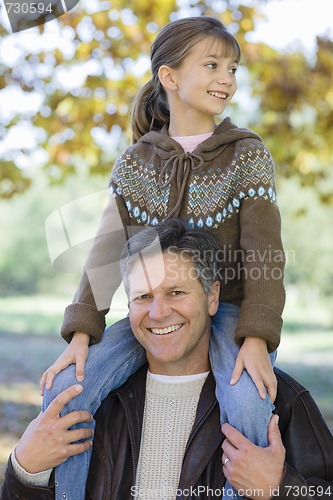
(65, 90)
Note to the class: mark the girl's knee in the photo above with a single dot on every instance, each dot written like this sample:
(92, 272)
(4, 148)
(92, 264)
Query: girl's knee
(244, 408)
(61, 381)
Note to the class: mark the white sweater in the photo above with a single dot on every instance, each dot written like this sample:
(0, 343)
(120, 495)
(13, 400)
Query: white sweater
(169, 414)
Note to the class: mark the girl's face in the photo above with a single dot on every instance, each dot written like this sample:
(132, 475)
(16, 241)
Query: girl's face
(205, 80)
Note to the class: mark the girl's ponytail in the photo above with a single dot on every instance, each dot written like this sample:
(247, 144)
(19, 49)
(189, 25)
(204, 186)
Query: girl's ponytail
(149, 110)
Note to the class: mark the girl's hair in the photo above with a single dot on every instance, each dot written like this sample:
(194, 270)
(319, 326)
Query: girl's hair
(150, 109)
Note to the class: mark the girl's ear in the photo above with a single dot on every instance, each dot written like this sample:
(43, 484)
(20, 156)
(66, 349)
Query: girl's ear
(166, 77)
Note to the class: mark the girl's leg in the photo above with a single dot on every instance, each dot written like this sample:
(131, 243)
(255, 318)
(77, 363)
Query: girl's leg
(108, 366)
(240, 405)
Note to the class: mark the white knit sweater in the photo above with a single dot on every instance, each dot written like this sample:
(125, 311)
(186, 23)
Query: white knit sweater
(169, 414)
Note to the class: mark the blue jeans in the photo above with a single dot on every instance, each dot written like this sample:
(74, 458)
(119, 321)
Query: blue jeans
(240, 404)
(118, 355)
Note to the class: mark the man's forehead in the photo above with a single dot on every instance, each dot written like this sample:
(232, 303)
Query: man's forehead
(167, 268)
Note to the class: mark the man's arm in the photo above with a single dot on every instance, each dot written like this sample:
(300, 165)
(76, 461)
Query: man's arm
(46, 443)
(306, 444)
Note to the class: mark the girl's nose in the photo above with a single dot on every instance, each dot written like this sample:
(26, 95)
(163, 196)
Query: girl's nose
(225, 77)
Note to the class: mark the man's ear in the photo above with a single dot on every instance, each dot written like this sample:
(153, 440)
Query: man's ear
(214, 298)
(167, 77)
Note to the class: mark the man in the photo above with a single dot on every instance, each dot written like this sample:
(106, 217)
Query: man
(159, 436)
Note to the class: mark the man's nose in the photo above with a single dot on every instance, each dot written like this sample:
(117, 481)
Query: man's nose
(159, 308)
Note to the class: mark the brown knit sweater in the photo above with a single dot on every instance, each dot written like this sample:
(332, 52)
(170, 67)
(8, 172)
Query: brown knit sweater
(226, 185)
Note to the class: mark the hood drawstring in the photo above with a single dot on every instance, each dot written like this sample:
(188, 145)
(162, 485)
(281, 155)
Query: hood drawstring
(178, 166)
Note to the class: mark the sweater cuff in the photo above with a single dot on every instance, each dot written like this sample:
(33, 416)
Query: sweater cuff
(39, 479)
(257, 320)
(83, 318)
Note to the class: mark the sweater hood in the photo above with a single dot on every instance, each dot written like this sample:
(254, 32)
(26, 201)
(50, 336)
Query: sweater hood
(224, 134)
(178, 164)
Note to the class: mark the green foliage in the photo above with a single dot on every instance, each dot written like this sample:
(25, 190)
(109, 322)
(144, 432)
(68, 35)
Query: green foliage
(25, 266)
(307, 235)
(23, 258)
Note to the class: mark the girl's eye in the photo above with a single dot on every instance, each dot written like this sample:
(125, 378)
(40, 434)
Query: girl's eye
(232, 70)
(211, 65)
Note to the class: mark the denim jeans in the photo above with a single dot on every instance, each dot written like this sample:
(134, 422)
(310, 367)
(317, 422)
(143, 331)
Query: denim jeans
(119, 355)
(240, 404)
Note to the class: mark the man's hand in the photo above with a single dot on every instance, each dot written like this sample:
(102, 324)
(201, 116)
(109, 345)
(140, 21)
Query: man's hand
(256, 471)
(46, 442)
(76, 353)
(254, 358)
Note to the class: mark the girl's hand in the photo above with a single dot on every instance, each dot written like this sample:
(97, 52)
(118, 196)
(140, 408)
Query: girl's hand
(75, 353)
(254, 358)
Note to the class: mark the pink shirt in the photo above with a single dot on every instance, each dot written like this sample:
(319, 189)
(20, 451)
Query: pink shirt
(190, 142)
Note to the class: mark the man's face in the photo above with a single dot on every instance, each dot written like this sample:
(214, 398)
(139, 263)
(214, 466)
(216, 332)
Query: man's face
(171, 319)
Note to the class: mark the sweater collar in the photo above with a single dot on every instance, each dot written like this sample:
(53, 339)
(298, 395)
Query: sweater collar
(224, 134)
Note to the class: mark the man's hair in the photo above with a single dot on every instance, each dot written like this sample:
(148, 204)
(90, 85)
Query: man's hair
(175, 236)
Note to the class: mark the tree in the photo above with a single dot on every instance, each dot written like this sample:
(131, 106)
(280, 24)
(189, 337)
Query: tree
(85, 80)
(295, 113)
(97, 60)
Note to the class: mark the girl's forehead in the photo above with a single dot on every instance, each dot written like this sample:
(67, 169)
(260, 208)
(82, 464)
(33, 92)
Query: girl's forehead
(213, 46)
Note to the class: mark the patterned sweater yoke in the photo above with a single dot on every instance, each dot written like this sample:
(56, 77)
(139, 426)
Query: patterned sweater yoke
(210, 183)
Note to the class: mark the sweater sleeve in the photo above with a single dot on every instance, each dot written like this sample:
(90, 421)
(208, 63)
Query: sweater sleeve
(262, 250)
(101, 276)
(13, 488)
(37, 479)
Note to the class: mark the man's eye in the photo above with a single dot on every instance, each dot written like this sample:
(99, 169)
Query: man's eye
(177, 293)
(144, 296)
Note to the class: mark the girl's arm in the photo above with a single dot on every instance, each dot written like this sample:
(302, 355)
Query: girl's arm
(260, 321)
(101, 276)
(262, 250)
(84, 319)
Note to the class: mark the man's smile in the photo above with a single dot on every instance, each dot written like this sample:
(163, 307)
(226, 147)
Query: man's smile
(165, 330)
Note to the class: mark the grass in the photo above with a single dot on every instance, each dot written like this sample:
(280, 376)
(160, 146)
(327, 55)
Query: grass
(30, 342)
(42, 314)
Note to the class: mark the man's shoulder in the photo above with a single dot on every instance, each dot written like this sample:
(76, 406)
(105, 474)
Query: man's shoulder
(288, 384)
(289, 391)
(296, 407)
(133, 388)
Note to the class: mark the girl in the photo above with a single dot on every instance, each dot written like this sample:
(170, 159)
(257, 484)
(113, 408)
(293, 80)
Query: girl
(181, 164)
